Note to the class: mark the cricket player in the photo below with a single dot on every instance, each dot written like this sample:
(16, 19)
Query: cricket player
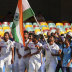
(9, 52)
(22, 54)
(1, 55)
(35, 56)
(52, 51)
(16, 69)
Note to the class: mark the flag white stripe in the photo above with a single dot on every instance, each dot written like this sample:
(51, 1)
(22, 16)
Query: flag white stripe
(25, 5)
(18, 34)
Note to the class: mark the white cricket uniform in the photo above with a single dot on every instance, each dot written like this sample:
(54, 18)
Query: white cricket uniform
(35, 60)
(8, 55)
(43, 64)
(16, 57)
(23, 62)
(51, 61)
(2, 55)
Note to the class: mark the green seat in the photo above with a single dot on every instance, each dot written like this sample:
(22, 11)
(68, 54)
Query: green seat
(59, 27)
(38, 33)
(34, 23)
(36, 28)
(66, 27)
(28, 23)
(29, 29)
(11, 23)
(51, 25)
(71, 24)
(43, 26)
(4, 25)
(53, 31)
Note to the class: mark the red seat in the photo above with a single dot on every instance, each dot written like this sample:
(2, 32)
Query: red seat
(65, 24)
(67, 28)
(52, 28)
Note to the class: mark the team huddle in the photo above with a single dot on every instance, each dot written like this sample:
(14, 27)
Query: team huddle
(37, 55)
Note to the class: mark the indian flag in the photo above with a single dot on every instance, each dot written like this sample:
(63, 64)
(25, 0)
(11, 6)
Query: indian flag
(23, 12)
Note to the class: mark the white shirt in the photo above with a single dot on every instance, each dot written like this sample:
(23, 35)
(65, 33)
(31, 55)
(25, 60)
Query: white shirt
(6, 47)
(51, 49)
(21, 48)
(15, 45)
(34, 49)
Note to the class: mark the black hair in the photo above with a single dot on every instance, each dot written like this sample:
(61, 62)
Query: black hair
(6, 33)
(31, 34)
(36, 37)
(52, 36)
(62, 34)
(25, 32)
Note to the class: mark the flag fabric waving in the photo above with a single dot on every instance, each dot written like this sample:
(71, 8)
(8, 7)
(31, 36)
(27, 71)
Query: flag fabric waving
(23, 12)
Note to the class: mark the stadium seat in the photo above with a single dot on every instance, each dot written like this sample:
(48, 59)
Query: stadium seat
(59, 24)
(36, 28)
(35, 23)
(51, 25)
(26, 26)
(28, 23)
(62, 32)
(0, 23)
(11, 23)
(29, 29)
(71, 24)
(53, 30)
(45, 28)
(38, 33)
(43, 23)
(67, 27)
(1, 32)
(69, 30)
(7, 30)
(66, 24)
(4, 28)
(0, 27)
(4, 25)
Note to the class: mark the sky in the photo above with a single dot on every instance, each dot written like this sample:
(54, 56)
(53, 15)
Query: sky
(56, 10)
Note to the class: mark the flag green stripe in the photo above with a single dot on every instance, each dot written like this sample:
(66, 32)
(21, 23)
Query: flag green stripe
(14, 33)
(27, 14)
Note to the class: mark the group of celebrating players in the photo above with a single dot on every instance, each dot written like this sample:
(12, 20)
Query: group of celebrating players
(38, 54)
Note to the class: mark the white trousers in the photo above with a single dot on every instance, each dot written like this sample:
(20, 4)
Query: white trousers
(43, 64)
(7, 62)
(1, 65)
(16, 66)
(23, 64)
(34, 65)
(51, 67)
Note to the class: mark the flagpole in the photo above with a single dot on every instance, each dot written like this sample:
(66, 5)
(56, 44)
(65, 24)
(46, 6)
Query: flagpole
(43, 36)
(40, 29)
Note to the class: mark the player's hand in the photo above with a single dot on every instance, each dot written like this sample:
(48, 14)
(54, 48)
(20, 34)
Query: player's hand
(29, 55)
(12, 61)
(37, 46)
(52, 54)
(71, 60)
(60, 51)
(0, 48)
(19, 56)
(25, 56)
